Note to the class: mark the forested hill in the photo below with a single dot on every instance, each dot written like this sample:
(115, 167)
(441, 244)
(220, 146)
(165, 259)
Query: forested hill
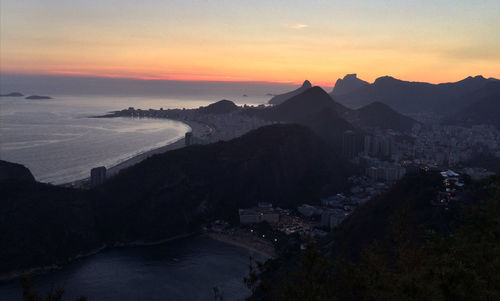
(399, 247)
(166, 195)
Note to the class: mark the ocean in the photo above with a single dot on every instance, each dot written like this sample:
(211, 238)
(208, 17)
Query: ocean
(59, 143)
(184, 269)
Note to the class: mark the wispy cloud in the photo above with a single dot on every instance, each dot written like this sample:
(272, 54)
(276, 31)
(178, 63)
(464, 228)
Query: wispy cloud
(297, 26)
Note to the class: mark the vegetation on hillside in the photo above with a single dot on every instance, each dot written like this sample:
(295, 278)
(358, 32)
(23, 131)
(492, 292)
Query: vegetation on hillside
(460, 265)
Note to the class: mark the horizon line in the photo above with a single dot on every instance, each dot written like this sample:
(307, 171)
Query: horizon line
(207, 79)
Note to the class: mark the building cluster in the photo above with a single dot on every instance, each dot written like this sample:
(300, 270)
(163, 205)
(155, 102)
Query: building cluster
(282, 220)
(386, 155)
(221, 127)
(264, 212)
(445, 146)
(379, 170)
(381, 144)
(453, 188)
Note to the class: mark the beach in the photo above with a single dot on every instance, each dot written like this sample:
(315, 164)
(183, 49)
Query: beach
(248, 241)
(199, 130)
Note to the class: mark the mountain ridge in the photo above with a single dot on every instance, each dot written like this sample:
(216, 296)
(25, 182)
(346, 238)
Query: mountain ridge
(409, 97)
(279, 99)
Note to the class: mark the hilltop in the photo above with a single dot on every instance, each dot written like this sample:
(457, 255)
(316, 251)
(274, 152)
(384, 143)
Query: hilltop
(380, 115)
(279, 99)
(14, 172)
(412, 97)
(348, 84)
(220, 107)
(313, 108)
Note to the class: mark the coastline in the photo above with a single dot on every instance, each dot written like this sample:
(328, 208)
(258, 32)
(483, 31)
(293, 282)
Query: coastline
(253, 244)
(198, 129)
(7, 277)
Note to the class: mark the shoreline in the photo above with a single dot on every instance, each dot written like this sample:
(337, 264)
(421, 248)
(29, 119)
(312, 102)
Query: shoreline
(8, 277)
(197, 128)
(262, 248)
(256, 245)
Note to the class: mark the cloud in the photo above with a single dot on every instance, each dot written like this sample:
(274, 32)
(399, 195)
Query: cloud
(298, 26)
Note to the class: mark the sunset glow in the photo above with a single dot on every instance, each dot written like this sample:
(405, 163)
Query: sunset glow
(436, 41)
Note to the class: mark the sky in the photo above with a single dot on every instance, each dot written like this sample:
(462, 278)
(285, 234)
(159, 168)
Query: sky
(276, 41)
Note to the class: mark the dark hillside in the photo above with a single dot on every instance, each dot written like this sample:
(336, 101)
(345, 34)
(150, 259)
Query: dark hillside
(281, 164)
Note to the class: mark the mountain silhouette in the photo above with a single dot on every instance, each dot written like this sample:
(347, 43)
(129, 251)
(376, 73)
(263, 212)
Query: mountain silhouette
(312, 100)
(483, 108)
(278, 99)
(220, 107)
(348, 84)
(313, 108)
(412, 97)
(380, 115)
(14, 172)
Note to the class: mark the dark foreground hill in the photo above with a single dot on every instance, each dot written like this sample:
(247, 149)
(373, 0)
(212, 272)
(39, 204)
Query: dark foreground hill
(15, 172)
(42, 224)
(166, 195)
(399, 247)
(281, 164)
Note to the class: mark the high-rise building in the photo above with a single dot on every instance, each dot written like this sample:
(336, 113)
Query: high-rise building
(97, 176)
(188, 138)
(349, 144)
(367, 144)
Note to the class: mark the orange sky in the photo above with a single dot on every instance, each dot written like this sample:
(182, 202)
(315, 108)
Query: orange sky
(276, 41)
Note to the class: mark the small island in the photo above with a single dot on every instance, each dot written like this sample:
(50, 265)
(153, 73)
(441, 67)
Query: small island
(13, 94)
(38, 97)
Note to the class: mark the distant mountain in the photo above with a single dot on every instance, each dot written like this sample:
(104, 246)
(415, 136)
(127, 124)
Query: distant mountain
(484, 111)
(38, 97)
(412, 97)
(14, 172)
(166, 195)
(313, 108)
(310, 101)
(221, 107)
(13, 94)
(348, 84)
(278, 99)
(379, 115)
(490, 89)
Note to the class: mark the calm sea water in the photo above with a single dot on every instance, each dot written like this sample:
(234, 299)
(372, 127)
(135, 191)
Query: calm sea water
(59, 143)
(185, 269)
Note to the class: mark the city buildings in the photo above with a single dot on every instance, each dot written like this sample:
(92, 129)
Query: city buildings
(97, 176)
(264, 212)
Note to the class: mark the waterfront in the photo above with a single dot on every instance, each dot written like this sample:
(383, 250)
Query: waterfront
(183, 269)
(59, 143)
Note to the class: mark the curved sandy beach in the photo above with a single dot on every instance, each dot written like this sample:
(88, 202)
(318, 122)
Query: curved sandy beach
(198, 129)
